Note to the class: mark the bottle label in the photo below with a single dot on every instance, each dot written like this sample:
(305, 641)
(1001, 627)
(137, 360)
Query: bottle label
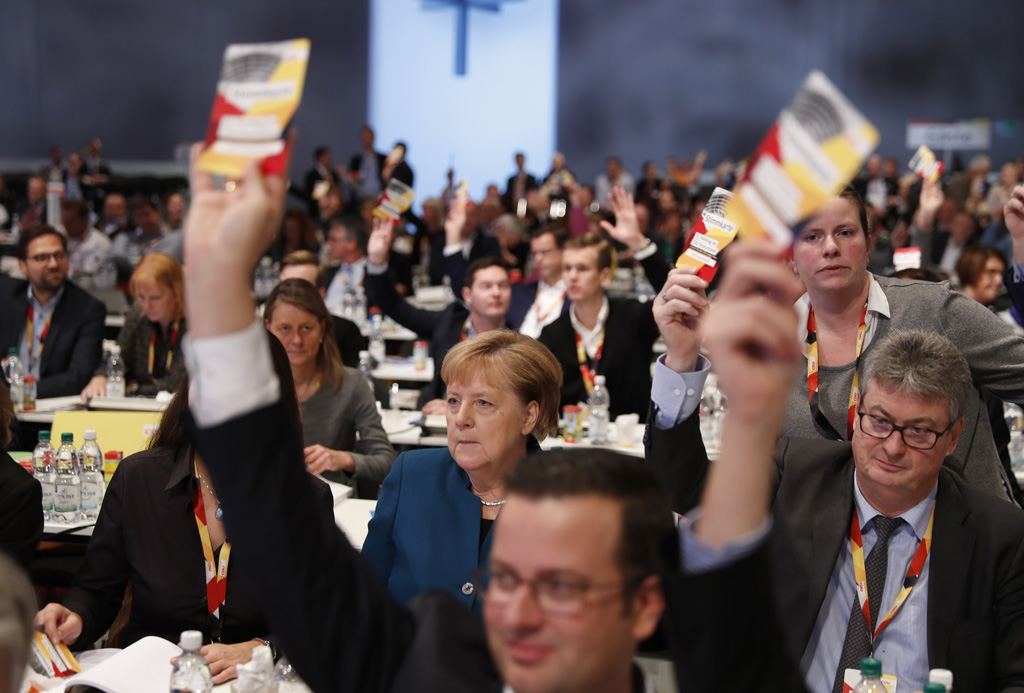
(90, 495)
(66, 498)
(47, 496)
(91, 462)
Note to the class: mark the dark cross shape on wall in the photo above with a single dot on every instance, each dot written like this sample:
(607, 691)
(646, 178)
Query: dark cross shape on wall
(462, 8)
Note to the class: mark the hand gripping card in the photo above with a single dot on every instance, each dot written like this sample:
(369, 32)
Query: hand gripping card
(710, 235)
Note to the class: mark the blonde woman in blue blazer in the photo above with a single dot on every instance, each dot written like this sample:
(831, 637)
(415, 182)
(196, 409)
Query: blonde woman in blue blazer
(431, 528)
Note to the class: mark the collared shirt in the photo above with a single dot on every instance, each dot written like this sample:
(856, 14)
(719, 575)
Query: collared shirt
(878, 305)
(348, 278)
(86, 254)
(591, 337)
(134, 245)
(546, 308)
(40, 315)
(903, 645)
(370, 173)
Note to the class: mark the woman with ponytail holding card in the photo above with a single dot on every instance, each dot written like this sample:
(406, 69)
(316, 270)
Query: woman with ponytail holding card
(846, 309)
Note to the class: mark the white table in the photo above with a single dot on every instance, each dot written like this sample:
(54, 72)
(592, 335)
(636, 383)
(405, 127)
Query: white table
(45, 408)
(401, 368)
(393, 334)
(352, 516)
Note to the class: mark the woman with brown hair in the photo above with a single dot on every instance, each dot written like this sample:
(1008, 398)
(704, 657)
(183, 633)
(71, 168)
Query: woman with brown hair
(432, 525)
(337, 403)
(297, 233)
(980, 270)
(151, 338)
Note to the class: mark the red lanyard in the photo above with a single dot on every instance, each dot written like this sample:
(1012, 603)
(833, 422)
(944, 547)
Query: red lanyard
(170, 348)
(859, 572)
(586, 371)
(29, 329)
(216, 573)
(547, 313)
(812, 375)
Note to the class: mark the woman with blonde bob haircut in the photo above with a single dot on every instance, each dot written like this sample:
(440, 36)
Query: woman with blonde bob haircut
(336, 403)
(432, 525)
(153, 330)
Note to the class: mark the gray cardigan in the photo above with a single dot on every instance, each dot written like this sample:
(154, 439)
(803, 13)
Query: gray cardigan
(994, 353)
(334, 419)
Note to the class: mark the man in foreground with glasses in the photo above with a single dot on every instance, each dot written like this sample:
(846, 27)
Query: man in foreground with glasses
(584, 555)
(56, 327)
(879, 549)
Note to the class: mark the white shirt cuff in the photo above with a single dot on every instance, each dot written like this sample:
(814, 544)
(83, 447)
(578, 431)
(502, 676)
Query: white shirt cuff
(648, 250)
(676, 396)
(232, 375)
(450, 250)
(372, 268)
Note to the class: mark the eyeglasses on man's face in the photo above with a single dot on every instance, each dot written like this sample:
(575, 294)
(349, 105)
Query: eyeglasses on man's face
(917, 437)
(44, 258)
(561, 594)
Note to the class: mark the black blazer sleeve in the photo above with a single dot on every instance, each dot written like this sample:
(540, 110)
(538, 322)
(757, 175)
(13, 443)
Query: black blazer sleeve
(350, 341)
(21, 511)
(380, 290)
(656, 268)
(335, 620)
(678, 458)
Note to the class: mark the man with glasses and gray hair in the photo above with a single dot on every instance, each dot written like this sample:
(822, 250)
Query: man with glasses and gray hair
(879, 548)
(56, 327)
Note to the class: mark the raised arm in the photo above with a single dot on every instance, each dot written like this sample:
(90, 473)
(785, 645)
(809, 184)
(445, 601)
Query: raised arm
(626, 230)
(380, 283)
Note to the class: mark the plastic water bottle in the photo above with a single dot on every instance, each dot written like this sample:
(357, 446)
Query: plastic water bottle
(67, 497)
(15, 375)
(115, 373)
(44, 461)
(265, 278)
(366, 367)
(599, 402)
(870, 677)
(377, 351)
(191, 673)
(91, 458)
(932, 687)
(359, 306)
(943, 677)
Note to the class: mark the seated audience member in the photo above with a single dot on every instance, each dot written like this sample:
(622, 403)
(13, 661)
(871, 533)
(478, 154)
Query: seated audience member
(77, 185)
(21, 497)
(941, 234)
(33, 210)
(153, 330)
(133, 246)
(830, 255)
(147, 534)
(613, 337)
(484, 304)
(115, 215)
(303, 264)
(87, 247)
(319, 179)
(956, 606)
(980, 270)
(171, 243)
(1013, 214)
(509, 231)
(536, 305)
(338, 407)
(17, 604)
(57, 327)
(364, 168)
(6, 206)
(428, 226)
(395, 166)
(462, 236)
(560, 179)
(614, 175)
(297, 233)
(502, 388)
(346, 244)
(572, 585)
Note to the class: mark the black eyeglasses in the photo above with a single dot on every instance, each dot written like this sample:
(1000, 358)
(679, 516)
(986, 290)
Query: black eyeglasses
(565, 595)
(43, 258)
(917, 437)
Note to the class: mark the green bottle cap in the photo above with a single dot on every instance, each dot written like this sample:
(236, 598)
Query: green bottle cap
(934, 688)
(12, 351)
(67, 437)
(870, 667)
(44, 435)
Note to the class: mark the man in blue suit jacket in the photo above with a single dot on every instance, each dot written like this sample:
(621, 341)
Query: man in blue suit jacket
(67, 321)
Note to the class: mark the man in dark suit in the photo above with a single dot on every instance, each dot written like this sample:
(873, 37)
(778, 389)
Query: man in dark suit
(21, 497)
(483, 306)
(463, 241)
(322, 174)
(613, 337)
(1013, 217)
(518, 184)
(365, 168)
(65, 343)
(950, 559)
(302, 264)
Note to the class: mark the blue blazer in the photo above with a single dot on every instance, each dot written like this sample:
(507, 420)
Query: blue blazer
(425, 532)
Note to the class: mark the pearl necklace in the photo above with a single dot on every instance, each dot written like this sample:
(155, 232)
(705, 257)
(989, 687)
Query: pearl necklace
(492, 504)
